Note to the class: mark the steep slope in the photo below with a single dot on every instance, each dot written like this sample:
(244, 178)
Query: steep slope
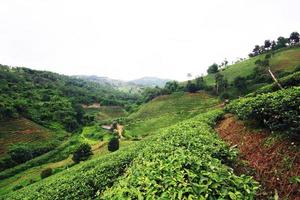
(90, 179)
(282, 60)
(166, 110)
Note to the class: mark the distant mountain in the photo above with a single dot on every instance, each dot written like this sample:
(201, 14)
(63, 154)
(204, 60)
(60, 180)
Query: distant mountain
(133, 84)
(120, 85)
(150, 81)
(103, 80)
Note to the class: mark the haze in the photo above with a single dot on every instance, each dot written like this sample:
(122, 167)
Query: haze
(132, 39)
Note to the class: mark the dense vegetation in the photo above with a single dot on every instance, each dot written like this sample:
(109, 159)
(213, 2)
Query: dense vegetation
(91, 178)
(51, 99)
(278, 110)
(188, 162)
(285, 82)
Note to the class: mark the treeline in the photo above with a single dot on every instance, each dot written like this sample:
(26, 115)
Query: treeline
(174, 86)
(280, 43)
(51, 99)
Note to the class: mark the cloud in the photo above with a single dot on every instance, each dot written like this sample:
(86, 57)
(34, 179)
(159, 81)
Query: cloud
(130, 39)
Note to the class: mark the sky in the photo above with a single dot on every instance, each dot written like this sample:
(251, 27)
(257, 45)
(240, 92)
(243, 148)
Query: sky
(136, 38)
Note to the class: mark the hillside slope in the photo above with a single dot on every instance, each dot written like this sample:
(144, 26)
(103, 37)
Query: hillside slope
(283, 60)
(166, 110)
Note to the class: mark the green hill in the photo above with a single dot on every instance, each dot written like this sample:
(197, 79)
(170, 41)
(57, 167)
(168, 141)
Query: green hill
(282, 60)
(166, 110)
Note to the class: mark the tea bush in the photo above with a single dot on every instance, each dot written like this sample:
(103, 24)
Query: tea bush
(278, 110)
(186, 162)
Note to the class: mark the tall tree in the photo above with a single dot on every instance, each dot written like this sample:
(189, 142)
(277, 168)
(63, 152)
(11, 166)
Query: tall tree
(221, 82)
(256, 50)
(212, 69)
(267, 44)
(200, 83)
(281, 42)
(294, 38)
(191, 87)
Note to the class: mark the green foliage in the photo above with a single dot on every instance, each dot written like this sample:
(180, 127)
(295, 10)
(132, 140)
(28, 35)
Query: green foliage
(278, 110)
(46, 173)
(172, 86)
(286, 82)
(212, 69)
(187, 162)
(48, 98)
(59, 153)
(22, 152)
(84, 180)
(167, 110)
(240, 83)
(113, 144)
(191, 87)
(82, 153)
(190, 139)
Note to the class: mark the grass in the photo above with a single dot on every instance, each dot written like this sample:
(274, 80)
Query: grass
(167, 110)
(284, 59)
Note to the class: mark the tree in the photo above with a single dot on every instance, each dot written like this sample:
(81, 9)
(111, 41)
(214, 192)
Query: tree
(267, 44)
(82, 153)
(191, 87)
(240, 84)
(281, 42)
(172, 86)
(212, 69)
(113, 144)
(273, 45)
(20, 153)
(294, 38)
(200, 83)
(256, 50)
(221, 82)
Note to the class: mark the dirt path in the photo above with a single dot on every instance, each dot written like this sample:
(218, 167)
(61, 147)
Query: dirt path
(120, 129)
(274, 161)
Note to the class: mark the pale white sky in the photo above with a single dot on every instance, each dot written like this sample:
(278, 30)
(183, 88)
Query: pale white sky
(130, 39)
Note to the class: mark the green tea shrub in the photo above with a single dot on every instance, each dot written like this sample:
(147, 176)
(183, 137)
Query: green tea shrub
(278, 110)
(286, 82)
(185, 162)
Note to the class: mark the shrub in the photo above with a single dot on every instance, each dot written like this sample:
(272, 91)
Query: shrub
(192, 150)
(297, 69)
(278, 110)
(286, 82)
(82, 153)
(20, 153)
(185, 162)
(224, 96)
(46, 173)
(17, 187)
(113, 144)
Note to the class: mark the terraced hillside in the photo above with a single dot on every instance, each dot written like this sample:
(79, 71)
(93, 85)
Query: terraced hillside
(21, 130)
(92, 179)
(167, 110)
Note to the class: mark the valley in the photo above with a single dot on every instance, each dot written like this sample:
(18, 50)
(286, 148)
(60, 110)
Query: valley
(232, 134)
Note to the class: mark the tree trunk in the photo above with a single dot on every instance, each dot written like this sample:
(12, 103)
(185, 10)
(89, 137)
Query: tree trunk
(275, 79)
